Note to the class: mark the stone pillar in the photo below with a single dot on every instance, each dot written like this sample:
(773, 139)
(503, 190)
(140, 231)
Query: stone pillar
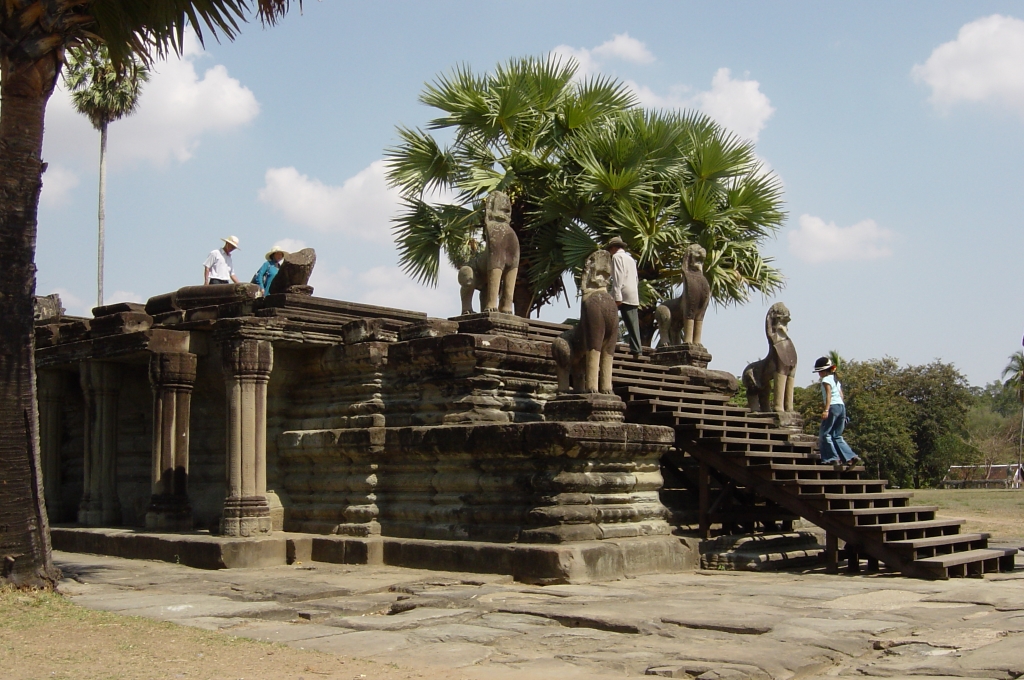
(247, 366)
(101, 386)
(171, 376)
(50, 386)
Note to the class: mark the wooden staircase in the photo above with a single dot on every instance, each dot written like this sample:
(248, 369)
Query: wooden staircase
(749, 474)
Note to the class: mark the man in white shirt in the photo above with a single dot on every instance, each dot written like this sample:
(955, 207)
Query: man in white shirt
(625, 291)
(218, 267)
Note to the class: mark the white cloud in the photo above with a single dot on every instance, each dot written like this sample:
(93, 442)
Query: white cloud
(361, 207)
(817, 241)
(621, 46)
(58, 182)
(736, 104)
(122, 296)
(624, 47)
(388, 286)
(178, 107)
(985, 64)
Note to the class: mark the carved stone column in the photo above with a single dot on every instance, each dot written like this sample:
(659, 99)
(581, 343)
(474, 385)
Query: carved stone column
(50, 386)
(101, 386)
(247, 366)
(171, 376)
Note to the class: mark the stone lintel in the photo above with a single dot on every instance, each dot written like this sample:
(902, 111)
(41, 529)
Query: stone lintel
(493, 323)
(120, 322)
(593, 407)
(369, 330)
(340, 310)
(118, 308)
(126, 346)
(428, 328)
(685, 354)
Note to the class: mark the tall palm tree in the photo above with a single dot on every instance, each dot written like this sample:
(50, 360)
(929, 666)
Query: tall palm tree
(583, 163)
(1015, 370)
(103, 94)
(34, 36)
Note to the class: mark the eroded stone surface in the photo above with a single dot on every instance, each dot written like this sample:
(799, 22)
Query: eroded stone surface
(697, 625)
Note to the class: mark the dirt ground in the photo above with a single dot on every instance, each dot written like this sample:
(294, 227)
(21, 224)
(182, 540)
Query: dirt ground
(44, 635)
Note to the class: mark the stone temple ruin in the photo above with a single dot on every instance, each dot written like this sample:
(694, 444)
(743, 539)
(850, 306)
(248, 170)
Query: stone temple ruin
(217, 427)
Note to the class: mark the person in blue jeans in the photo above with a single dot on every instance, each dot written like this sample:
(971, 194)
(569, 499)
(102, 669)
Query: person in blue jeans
(834, 448)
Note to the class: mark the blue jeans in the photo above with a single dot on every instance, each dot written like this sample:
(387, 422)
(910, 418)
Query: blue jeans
(830, 436)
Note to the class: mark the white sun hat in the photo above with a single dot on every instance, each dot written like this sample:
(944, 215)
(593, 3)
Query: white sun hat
(277, 248)
(232, 240)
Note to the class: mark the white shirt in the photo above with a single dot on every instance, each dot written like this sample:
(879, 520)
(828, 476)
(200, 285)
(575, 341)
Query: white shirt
(219, 264)
(624, 278)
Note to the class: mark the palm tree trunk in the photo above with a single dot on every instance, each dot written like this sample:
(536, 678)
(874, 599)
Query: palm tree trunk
(1020, 440)
(24, 533)
(102, 214)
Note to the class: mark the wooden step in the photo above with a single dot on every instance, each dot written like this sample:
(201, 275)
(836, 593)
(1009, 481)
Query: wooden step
(846, 501)
(868, 517)
(918, 548)
(804, 485)
(935, 527)
(968, 562)
(809, 470)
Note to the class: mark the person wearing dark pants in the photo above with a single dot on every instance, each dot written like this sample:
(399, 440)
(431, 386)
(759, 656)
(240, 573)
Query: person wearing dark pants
(625, 292)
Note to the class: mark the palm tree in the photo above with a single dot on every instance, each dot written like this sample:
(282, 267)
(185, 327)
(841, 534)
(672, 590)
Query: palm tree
(1015, 370)
(510, 131)
(34, 36)
(583, 163)
(103, 94)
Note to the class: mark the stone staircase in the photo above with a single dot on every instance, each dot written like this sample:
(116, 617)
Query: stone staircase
(749, 474)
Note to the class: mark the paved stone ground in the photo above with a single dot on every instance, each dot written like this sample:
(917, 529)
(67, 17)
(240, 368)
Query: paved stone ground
(706, 624)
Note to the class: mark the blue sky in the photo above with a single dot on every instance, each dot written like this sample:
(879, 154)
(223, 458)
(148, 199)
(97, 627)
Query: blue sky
(896, 128)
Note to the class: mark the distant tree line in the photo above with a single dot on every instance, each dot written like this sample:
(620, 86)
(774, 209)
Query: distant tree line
(910, 423)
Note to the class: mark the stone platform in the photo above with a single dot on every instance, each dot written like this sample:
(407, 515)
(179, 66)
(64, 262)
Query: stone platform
(577, 562)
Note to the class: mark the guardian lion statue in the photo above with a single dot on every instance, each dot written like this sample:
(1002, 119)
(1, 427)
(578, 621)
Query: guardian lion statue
(494, 267)
(583, 354)
(681, 320)
(779, 365)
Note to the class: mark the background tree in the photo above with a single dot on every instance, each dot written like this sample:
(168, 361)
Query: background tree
(583, 163)
(34, 35)
(103, 93)
(908, 423)
(1013, 374)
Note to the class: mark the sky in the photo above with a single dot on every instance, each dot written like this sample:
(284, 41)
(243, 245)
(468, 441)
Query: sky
(897, 130)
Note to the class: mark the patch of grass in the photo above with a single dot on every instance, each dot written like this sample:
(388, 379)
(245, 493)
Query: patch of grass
(999, 512)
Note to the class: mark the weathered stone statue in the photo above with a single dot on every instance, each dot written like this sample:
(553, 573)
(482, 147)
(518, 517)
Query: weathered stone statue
(681, 320)
(779, 365)
(295, 270)
(583, 355)
(494, 268)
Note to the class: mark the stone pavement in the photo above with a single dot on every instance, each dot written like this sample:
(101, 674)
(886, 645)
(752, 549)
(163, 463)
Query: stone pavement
(697, 624)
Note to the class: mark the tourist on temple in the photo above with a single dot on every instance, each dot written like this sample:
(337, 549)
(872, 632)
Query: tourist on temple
(218, 267)
(625, 291)
(834, 448)
(265, 276)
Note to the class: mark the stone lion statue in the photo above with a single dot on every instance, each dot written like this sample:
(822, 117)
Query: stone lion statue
(779, 365)
(583, 354)
(681, 319)
(493, 268)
